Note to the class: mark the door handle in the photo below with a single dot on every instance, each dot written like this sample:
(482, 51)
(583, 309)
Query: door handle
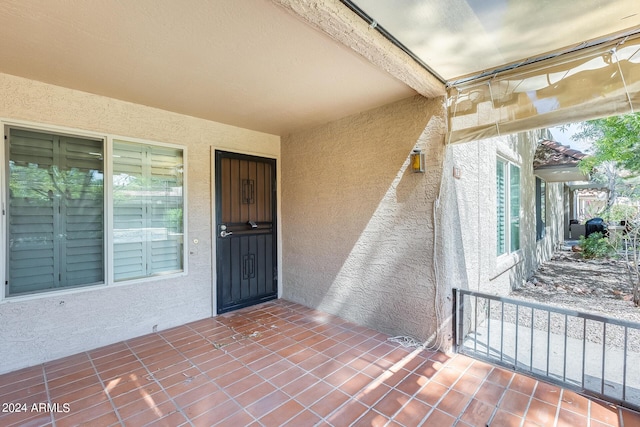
(224, 233)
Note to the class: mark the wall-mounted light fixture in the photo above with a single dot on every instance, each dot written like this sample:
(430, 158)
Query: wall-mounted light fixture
(457, 173)
(417, 161)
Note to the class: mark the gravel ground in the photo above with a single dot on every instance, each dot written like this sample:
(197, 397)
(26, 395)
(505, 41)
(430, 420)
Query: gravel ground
(600, 287)
(596, 286)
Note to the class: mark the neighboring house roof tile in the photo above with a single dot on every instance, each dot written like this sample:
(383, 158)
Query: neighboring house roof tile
(551, 153)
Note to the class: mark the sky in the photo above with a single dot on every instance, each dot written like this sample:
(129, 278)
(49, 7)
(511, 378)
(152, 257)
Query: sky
(565, 137)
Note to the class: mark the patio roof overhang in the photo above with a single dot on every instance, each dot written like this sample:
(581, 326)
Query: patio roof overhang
(560, 174)
(515, 66)
(586, 185)
(282, 65)
(554, 162)
(252, 64)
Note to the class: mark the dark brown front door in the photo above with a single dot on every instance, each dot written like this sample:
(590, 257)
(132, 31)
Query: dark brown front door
(246, 230)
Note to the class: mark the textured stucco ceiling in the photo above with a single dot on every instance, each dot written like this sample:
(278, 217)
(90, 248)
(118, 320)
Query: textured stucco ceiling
(249, 63)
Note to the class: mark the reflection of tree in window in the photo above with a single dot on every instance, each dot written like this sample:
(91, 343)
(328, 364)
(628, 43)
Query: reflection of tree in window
(56, 224)
(148, 205)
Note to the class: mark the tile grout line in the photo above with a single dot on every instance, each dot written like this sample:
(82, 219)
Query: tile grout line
(188, 339)
(46, 387)
(306, 407)
(262, 377)
(352, 397)
(307, 371)
(104, 389)
(484, 380)
(146, 368)
(526, 411)
(359, 371)
(555, 422)
(370, 407)
(410, 397)
(334, 388)
(268, 380)
(223, 389)
(620, 418)
(298, 323)
(449, 388)
(495, 409)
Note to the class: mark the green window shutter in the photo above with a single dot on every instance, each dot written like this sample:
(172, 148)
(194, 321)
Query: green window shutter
(501, 218)
(82, 209)
(31, 219)
(55, 212)
(514, 204)
(541, 195)
(129, 211)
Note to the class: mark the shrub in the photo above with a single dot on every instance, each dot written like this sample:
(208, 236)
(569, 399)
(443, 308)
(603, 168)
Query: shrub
(595, 246)
(619, 213)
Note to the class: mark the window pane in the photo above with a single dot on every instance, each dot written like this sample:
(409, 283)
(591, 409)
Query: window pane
(56, 197)
(514, 202)
(166, 209)
(129, 209)
(147, 208)
(540, 208)
(501, 206)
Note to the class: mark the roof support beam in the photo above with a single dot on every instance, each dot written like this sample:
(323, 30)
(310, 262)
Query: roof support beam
(343, 25)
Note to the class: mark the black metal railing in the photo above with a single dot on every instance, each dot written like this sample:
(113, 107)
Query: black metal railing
(582, 351)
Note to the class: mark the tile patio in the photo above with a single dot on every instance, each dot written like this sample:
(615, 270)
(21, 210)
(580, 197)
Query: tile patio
(280, 363)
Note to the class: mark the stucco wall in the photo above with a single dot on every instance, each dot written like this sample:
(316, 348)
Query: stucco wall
(37, 329)
(359, 230)
(472, 199)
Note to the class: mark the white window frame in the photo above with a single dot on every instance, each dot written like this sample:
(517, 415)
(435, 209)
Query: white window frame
(508, 238)
(107, 139)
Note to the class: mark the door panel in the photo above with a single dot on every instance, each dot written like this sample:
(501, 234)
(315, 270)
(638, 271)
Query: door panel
(246, 226)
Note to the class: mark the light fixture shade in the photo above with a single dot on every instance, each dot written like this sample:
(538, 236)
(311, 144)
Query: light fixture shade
(417, 161)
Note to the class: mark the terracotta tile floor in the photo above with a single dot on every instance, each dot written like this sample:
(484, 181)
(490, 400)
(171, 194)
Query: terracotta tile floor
(284, 364)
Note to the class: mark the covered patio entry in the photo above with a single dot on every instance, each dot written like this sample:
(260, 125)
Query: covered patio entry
(281, 363)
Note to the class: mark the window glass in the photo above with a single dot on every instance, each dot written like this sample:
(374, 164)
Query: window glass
(147, 210)
(541, 213)
(507, 207)
(55, 212)
(501, 172)
(514, 202)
